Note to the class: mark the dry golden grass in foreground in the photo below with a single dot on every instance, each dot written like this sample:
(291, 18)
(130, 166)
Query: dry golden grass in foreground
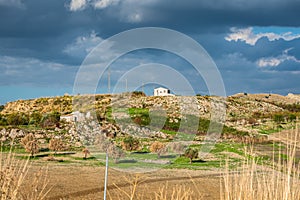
(179, 192)
(278, 181)
(12, 175)
(135, 190)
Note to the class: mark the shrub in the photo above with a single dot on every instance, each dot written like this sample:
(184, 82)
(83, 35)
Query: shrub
(17, 119)
(50, 120)
(35, 118)
(3, 121)
(138, 94)
(278, 118)
(292, 117)
(130, 143)
(1, 107)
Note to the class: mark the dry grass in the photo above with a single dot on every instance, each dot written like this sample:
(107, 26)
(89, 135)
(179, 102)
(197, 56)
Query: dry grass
(13, 173)
(166, 192)
(133, 184)
(135, 191)
(179, 192)
(278, 181)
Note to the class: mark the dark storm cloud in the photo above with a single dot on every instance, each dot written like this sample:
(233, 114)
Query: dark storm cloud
(42, 42)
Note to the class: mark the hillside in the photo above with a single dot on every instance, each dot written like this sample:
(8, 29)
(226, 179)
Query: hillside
(239, 105)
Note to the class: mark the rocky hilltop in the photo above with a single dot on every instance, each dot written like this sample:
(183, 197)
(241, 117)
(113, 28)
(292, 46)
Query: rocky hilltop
(239, 105)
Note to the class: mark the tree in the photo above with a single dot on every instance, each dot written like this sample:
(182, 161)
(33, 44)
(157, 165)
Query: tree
(56, 144)
(177, 147)
(85, 151)
(157, 147)
(102, 143)
(115, 152)
(191, 153)
(107, 146)
(130, 143)
(30, 144)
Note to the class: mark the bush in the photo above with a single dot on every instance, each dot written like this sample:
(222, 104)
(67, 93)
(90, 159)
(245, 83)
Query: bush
(50, 120)
(278, 118)
(3, 121)
(35, 118)
(138, 94)
(130, 143)
(17, 119)
(292, 117)
(1, 107)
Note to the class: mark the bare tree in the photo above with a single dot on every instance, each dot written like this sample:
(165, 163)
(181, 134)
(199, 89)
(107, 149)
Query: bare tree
(115, 152)
(102, 143)
(177, 147)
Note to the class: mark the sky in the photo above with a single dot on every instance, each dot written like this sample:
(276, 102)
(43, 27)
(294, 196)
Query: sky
(254, 44)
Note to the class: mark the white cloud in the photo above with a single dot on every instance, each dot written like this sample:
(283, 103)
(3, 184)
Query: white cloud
(132, 11)
(17, 66)
(76, 5)
(101, 4)
(269, 62)
(134, 17)
(248, 36)
(83, 45)
(14, 3)
(275, 61)
(32, 71)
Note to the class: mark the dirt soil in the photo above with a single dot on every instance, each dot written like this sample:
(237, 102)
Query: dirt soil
(86, 182)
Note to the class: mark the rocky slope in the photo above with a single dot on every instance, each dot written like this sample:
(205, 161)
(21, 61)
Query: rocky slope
(239, 105)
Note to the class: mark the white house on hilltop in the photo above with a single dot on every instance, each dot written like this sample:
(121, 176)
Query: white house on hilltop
(74, 116)
(162, 92)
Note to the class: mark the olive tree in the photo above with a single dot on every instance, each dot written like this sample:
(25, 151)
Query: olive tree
(56, 144)
(30, 144)
(157, 147)
(191, 153)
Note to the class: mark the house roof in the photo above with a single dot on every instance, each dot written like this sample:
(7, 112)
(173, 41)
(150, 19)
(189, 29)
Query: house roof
(160, 88)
